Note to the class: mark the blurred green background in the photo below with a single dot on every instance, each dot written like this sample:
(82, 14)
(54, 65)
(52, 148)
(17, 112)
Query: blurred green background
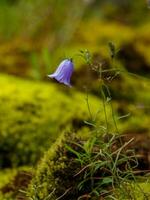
(35, 36)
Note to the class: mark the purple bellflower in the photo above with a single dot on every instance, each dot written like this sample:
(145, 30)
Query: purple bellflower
(63, 72)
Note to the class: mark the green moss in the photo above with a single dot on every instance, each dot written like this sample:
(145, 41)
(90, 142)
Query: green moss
(55, 172)
(32, 114)
(55, 175)
(13, 180)
(145, 188)
(6, 175)
(95, 34)
(140, 190)
(90, 32)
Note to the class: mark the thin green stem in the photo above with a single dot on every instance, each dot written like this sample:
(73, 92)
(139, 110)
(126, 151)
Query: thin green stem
(112, 109)
(104, 106)
(88, 106)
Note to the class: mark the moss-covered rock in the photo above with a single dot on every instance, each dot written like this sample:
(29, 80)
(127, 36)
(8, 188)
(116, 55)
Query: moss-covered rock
(32, 114)
(55, 173)
(60, 174)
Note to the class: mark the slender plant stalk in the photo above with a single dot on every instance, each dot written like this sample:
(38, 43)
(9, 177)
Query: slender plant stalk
(88, 106)
(104, 106)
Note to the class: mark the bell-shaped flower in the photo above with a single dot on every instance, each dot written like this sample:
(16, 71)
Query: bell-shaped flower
(63, 72)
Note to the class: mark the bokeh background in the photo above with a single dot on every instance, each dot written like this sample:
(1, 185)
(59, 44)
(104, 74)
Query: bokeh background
(35, 36)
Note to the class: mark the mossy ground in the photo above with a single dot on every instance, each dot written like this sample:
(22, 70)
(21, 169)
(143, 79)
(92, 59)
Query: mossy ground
(33, 115)
(56, 176)
(13, 180)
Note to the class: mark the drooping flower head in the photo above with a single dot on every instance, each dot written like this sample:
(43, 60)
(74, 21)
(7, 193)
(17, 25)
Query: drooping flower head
(63, 72)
